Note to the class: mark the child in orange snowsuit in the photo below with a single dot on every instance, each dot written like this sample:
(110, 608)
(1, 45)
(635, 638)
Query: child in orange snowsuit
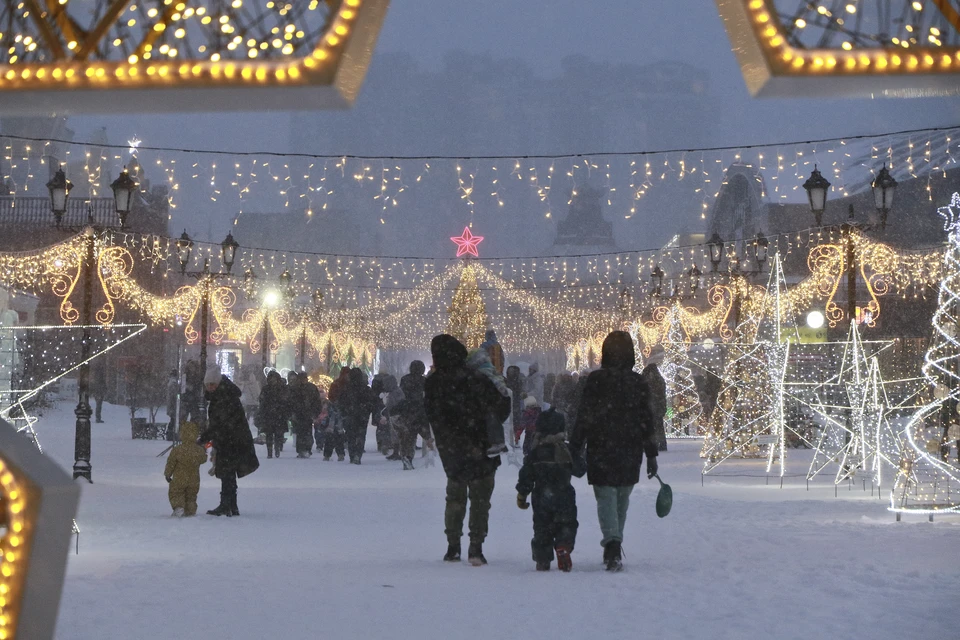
(183, 471)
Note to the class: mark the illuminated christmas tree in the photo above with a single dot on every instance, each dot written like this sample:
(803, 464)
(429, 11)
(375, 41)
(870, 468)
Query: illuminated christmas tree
(683, 403)
(928, 480)
(467, 315)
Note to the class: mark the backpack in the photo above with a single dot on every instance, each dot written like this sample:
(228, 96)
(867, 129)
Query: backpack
(335, 421)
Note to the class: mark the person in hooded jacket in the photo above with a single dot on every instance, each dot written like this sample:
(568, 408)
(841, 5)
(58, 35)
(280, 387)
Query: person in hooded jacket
(546, 474)
(413, 416)
(534, 383)
(658, 402)
(494, 350)
(457, 402)
(228, 430)
(357, 403)
(272, 414)
(335, 437)
(615, 424)
(515, 382)
(182, 471)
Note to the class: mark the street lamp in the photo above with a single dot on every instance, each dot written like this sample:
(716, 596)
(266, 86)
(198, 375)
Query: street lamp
(715, 245)
(761, 248)
(884, 188)
(59, 188)
(123, 188)
(228, 253)
(816, 187)
(693, 278)
(656, 281)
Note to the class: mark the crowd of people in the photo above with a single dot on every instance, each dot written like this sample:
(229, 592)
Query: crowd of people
(601, 425)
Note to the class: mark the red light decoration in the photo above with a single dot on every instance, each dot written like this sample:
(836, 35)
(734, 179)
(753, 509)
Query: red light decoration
(467, 243)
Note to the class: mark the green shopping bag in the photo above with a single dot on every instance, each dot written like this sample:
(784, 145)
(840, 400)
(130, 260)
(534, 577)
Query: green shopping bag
(664, 498)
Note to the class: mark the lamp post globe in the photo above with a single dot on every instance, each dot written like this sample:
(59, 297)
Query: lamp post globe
(228, 251)
(184, 249)
(123, 188)
(816, 187)
(884, 188)
(59, 188)
(715, 245)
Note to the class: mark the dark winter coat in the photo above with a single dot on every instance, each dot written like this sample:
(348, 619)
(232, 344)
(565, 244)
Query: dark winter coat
(614, 420)
(658, 401)
(411, 410)
(548, 467)
(457, 402)
(272, 414)
(228, 430)
(515, 383)
(357, 401)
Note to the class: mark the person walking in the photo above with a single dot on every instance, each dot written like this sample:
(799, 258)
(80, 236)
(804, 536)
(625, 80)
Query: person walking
(457, 403)
(98, 387)
(413, 416)
(228, 430)
(615, 424)
(357, 402)
(515, 383)
(271, 416)
(658, 402)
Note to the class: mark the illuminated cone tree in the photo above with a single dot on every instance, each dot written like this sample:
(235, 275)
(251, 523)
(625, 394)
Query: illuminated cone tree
(928, 481)
(467, 315)
(683, 403)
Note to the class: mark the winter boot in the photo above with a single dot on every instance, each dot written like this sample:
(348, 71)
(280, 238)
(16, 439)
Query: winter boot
(276, 450)
(223, 509)
(269, 453)
(234, 511)
(178, 512)
(407, 464)
(475, 554)
(613, 556)
(340, 457)
(326, 458)
(453, 552)
(543, 566)
(564, 563)
(496, 450)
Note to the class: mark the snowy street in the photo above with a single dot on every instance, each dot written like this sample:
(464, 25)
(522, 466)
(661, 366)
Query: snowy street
(327, 549)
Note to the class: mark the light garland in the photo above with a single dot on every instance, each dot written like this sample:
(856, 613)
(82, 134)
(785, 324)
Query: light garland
(925, 483)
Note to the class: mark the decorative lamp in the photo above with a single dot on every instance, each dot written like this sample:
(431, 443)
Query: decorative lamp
(884, 188)
(123, 188)
(693, 274)
(761, 248)
(184, 248)
(715, 245)
(59, 188)
(816, 187)
(656, 280)
(228, 251)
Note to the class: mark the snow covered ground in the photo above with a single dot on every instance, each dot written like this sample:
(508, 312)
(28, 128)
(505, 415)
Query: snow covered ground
(326, 549)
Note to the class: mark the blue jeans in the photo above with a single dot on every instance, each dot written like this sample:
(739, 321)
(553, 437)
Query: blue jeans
(612, 504)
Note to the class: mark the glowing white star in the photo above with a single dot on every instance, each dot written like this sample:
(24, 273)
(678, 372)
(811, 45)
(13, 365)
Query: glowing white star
(134, 145)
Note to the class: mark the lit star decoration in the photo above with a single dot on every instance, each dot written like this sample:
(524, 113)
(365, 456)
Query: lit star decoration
(134, 145)
(467, 243)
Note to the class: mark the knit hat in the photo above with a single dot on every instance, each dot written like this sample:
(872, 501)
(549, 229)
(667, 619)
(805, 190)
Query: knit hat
(212, 376)
(529, 402)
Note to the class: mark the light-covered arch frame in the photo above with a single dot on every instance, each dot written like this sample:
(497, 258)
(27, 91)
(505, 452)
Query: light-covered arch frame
(184, 55)
(776, 61)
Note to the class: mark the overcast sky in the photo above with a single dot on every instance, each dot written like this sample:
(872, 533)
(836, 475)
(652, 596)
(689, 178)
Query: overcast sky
(542, 33)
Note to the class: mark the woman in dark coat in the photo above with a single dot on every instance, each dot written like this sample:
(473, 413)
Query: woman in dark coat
(615, 424)
(228, 430)
(515, 383)
(272, 414)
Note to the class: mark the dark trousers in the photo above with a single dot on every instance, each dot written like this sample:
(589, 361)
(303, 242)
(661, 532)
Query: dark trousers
(356, 439)
(333, 440)
(407, 436)
(553, 527)
(304, 431)
(274, 439)
(228, 489)
(98, 401)
(478, 492)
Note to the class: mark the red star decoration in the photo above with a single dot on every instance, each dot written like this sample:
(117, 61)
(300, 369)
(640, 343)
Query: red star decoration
(467, 243)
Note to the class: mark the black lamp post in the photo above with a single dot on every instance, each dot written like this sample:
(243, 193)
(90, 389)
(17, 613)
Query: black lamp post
(206, 278)
(817, 187)
(693, 280)
(884, 188)
(308, 313)
(761, 249)
(123, 188)
(656, 281)
(59, 188)
(715, 245)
